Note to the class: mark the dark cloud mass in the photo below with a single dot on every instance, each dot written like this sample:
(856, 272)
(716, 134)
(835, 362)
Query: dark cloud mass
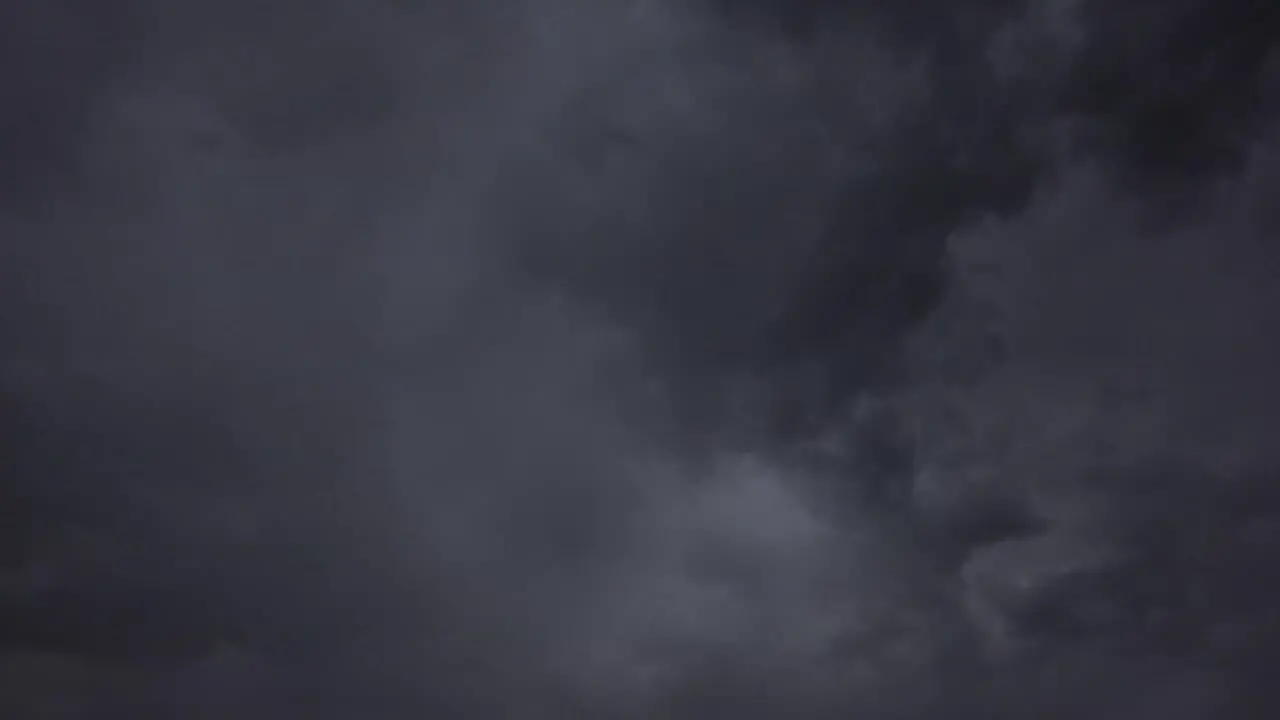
(638, 358)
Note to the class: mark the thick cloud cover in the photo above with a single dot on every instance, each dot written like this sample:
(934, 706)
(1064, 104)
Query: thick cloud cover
(648, 358)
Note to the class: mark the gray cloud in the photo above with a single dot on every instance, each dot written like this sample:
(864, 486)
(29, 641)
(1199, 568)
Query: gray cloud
(639, 358)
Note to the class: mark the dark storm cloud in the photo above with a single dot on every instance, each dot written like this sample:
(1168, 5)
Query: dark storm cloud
(1130, 416)
(57, 58)
(652, 358)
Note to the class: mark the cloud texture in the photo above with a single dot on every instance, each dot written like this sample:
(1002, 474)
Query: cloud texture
(660, 358)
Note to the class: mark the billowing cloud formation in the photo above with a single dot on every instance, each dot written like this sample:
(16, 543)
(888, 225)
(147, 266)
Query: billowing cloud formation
(653, 358)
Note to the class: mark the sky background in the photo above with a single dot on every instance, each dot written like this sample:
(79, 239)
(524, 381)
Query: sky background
(661, 359)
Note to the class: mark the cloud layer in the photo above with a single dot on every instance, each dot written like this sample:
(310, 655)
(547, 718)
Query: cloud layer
(637, 359)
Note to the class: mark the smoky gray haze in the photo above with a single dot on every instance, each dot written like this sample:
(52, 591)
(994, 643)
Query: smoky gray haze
(663, 359)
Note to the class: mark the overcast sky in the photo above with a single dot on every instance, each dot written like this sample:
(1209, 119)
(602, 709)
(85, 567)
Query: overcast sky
(639, 359)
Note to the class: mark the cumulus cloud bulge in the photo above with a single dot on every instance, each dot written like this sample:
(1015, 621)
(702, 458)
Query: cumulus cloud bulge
(662, 359)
